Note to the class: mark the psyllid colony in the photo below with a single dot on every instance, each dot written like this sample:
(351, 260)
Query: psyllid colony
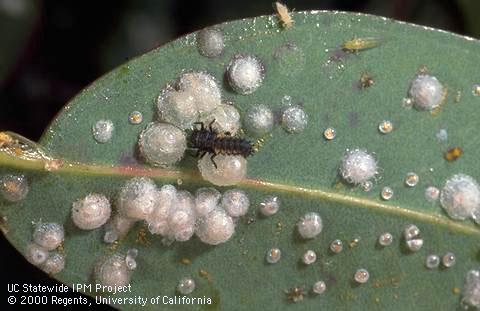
(163, 207)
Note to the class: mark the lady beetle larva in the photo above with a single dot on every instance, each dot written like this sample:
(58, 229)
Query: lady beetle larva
(208, 140)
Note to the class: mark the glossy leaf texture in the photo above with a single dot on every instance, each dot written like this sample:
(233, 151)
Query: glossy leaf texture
(301, 169)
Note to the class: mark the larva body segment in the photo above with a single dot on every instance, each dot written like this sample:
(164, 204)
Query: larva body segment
(207, 140)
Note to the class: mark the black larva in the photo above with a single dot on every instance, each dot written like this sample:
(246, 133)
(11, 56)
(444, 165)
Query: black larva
(207, 140)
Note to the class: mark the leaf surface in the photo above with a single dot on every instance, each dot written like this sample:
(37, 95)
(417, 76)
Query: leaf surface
(301, 169)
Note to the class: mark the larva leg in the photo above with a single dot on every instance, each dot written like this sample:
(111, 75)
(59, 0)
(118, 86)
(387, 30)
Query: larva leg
(213, 161)
(210, 125)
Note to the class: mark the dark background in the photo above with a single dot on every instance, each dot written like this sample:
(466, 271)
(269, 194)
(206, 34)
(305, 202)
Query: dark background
(50, 50)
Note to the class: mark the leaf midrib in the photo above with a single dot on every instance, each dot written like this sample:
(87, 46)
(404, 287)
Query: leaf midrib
(73, 168)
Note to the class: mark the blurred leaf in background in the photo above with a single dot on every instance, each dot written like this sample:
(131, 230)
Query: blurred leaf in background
(17, 20)
(470, 9)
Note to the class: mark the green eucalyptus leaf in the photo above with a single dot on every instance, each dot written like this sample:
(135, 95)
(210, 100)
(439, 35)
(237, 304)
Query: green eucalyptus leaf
(306, 63)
